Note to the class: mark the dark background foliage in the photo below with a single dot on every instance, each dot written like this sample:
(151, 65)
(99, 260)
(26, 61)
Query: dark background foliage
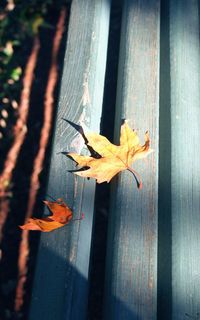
(20, 22)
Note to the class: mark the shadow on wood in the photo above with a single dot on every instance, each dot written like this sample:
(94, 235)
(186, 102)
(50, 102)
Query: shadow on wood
(164, 302)
(50, 305)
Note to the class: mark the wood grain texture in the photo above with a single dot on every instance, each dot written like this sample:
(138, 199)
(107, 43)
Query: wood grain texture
(61, 278)
(132, 236)
(185, 154)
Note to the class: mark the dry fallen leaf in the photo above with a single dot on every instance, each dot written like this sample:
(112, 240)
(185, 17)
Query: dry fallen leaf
(113, 158)
(61, 216)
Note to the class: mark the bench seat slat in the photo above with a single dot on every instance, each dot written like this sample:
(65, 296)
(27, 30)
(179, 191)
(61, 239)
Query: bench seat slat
(185, 155)
(61, 277)
(132, 235)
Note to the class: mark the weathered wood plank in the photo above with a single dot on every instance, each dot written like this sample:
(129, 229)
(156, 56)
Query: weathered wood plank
(185, 154)
(60, 286)
(132, 236)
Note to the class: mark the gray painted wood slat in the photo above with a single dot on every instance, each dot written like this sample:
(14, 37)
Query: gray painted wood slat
(185, 155)
(131, 277)
(60, 285)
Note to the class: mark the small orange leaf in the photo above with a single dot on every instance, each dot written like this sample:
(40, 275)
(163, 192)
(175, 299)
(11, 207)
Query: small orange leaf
(61, 216)
(61, 212)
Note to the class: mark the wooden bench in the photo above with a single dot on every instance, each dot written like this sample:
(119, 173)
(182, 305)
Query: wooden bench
(153, 261)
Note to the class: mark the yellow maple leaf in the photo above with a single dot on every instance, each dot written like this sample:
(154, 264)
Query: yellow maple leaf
(113, 158)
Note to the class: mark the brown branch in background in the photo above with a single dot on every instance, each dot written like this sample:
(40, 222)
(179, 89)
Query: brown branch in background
(20, 130)
(38, 162)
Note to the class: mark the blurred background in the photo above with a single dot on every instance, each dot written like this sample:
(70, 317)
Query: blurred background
(32, 44)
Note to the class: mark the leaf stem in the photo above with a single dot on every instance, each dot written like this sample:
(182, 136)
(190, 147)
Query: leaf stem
(81, 218)
(136, 176)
